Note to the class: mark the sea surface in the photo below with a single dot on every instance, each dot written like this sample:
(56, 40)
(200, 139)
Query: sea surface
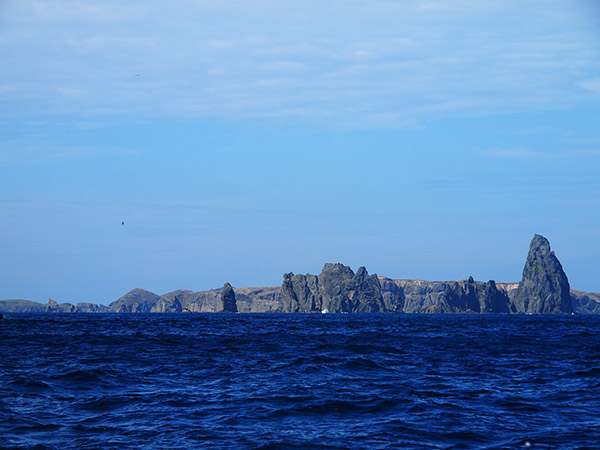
(278, 381)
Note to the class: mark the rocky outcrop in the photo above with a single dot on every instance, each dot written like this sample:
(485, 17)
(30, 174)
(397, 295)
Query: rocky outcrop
(135, 301)
(168, 303)
(300, 293)
(463, 296)
(392, 295)
(21, 306)
(54, 307)
(364, 294)
(258, 299)
(199, 301)
(228, 301)
(544, 288)
(85, 307)
(492, 299)
(336, 289)
(585, 302)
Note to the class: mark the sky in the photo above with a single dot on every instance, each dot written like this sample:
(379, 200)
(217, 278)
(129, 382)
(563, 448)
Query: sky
(238, 141)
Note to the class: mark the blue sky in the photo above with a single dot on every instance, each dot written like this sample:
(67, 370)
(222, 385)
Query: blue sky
(241, 140)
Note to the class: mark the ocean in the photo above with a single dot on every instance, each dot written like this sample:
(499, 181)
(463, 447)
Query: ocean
(294, 381)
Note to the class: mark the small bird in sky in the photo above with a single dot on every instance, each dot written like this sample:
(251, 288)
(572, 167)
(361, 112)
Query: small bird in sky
(122, 222)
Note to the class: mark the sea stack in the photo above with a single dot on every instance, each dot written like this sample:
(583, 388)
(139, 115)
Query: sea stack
(337, 289)
(544, 288)
(228, 299)
(52, 306)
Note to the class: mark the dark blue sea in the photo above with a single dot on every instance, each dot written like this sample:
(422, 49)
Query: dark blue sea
(242, 381)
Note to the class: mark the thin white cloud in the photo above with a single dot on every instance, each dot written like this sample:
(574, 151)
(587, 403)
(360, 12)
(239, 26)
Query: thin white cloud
(516, 153)
(284, 66)
(592, 85)
(524, 153)
(90, 11)
(350, 62)
(28, 154)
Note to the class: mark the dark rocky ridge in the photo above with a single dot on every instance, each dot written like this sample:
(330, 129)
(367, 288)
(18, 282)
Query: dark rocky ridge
(585, 302)
(544, 289)
(54, 307)
(21, 306)
(259, 299)
(85, 307)
(463, 296)
(135, 301)
(349, 292)
(228, 301)
(336, 289)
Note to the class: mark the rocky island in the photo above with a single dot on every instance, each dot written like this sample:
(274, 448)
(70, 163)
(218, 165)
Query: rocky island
(543, 289)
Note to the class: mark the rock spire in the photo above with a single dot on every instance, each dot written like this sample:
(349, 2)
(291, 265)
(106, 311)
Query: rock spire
(544, 288)
(228, 300)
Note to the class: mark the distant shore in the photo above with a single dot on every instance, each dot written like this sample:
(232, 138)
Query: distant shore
(544, 289)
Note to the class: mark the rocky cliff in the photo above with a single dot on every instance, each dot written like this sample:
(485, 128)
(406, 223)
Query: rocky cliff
(463, 296)
(169, 303)
(258, 299)
(86, 307)
(248, 299)
(135, 301)
(585, 302)
(544, 288)
(21, 306)
(336, 289)
(228, 301)
(55, 307)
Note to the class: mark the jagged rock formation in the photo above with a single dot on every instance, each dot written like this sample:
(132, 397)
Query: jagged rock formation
(300, 293)
(85, 307)
(228, 302)
(135, 301)
(492, 299)
(258, 299)
(54, 307)
(168, 303)
(336, 289)
(544, 288)
(392, 294)
(429, 297)
(190, 301)
(585, 302)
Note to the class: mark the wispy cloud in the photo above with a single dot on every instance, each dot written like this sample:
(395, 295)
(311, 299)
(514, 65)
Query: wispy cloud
(517, 153)
(367, 64)
(578, 151)
(591, 85)
(28, 154)
(68, 10)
